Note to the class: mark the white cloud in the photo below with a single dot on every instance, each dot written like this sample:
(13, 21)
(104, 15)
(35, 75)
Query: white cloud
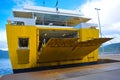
(109, 16)
(3, 41)
(21, 3)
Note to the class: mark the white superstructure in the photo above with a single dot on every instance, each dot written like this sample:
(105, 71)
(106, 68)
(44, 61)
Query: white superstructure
(34, 15)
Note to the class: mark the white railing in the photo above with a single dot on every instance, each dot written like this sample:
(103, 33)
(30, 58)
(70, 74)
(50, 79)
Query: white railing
(26, 21)
(86, 25)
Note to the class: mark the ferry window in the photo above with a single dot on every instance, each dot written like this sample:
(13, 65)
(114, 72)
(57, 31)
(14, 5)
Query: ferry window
(23, 42)
(19, 23)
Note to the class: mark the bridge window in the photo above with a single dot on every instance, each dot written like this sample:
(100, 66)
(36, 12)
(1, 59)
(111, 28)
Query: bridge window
(19, 23)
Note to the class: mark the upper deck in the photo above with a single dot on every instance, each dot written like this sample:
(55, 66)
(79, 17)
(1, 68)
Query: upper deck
(44, 16)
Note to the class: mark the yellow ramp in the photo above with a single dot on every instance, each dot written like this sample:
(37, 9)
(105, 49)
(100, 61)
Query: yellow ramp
(64, 49)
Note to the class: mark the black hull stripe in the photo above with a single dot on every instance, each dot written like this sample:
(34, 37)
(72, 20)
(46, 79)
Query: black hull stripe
(52, 67)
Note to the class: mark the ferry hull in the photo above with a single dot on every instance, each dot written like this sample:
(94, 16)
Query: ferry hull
(56, 51)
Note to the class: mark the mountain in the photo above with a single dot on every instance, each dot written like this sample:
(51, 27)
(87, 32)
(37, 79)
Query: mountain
(111, 48)
(3, 54)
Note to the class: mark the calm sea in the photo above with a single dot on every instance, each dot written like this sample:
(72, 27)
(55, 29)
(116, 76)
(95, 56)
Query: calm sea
(5, 67)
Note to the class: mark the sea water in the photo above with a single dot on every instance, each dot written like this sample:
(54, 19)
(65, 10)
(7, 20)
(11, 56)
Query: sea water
(5, 67)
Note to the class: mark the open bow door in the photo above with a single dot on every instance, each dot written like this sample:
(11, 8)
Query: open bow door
(64, 49)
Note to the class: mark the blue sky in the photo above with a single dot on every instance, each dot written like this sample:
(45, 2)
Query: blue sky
(109, 14)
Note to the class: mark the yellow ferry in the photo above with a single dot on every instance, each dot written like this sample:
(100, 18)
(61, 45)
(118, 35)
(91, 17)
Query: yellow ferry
(42, 37)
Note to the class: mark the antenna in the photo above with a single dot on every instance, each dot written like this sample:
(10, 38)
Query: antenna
(56, 6)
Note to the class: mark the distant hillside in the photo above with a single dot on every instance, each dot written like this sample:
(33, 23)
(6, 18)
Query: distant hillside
(3, 54)
(111, 48)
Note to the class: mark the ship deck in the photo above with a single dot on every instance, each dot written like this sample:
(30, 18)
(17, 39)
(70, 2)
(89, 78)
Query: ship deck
(108, 68)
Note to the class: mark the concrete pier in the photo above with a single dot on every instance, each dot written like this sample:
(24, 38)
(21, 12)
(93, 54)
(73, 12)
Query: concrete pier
(102, 71)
